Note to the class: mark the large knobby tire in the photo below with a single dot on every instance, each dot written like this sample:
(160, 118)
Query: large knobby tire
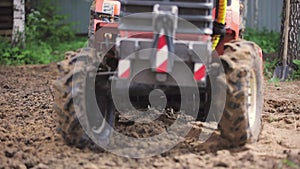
(67, 88)
(241, 119)
(81, 100)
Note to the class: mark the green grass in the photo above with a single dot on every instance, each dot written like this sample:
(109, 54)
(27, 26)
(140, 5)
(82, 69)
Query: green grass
(290, 164)
(269, 67)
(296, 73)
(77, 43)
(47, 37)
(268, 40)
(37, 52)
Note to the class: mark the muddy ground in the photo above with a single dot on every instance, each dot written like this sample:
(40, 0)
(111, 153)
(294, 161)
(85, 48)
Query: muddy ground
(28, 136)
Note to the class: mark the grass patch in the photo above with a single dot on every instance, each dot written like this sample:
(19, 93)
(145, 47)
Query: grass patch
(296, 73)
(268, 40)
(38, 52)
(269, 67)
(290, 164)
(48, 37)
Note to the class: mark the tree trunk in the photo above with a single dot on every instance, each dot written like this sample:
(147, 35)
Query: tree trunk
(293, 45)
(18, 36)
(285, 35)
(289, 45)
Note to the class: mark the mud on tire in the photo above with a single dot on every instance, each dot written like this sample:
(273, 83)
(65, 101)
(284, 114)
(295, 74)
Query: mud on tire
(69, 81)
(241, 119)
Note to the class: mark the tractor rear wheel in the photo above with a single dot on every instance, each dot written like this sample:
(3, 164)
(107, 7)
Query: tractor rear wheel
(77, 102)
(241, 119)
(68, 123)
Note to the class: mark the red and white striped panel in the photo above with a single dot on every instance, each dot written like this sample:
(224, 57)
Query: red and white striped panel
(199, 72)
(161, 64)
(124, 69)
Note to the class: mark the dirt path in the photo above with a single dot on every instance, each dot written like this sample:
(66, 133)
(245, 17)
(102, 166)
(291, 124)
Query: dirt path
(28, 137)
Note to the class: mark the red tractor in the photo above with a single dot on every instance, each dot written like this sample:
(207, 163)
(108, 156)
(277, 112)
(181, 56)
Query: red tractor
(186, 55)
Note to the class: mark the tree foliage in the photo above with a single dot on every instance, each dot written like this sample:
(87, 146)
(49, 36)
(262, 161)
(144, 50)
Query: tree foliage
(48, 36)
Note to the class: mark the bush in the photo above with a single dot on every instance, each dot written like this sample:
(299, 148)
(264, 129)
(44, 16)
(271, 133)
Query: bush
(47, 38)
(268, 40)
(45, 24)
(269, 67)
(36, 53)
(296, 73)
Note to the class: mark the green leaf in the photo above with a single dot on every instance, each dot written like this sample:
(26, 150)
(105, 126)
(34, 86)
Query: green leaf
(290, 163)
(297, 62)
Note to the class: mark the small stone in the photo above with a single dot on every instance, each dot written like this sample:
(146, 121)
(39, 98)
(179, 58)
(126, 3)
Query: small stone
(90, 166)
(21, 166)
(158, 164)
(223, 152)
(41, 166)
(176, 159)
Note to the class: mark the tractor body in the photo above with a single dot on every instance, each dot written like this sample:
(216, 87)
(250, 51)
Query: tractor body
(160, 54)
(153, 44)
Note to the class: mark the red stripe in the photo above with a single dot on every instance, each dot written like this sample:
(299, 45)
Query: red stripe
(200, 74)
(163, 67)
(161, 42)
(126, 74)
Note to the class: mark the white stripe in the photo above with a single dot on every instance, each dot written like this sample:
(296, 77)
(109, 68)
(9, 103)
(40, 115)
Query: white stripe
(124, 65)
(161, 56)
(198, 66)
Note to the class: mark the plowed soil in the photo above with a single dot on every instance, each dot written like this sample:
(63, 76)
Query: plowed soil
(29, 139)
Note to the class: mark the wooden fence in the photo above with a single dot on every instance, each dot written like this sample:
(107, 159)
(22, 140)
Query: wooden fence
(6, 17)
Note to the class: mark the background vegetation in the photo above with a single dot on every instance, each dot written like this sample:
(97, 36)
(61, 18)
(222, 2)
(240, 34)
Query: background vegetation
(269, 41)
(47, 38)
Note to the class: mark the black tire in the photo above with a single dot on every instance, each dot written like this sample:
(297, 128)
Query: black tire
(68, 123)
(241, 119)
(74, 90)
